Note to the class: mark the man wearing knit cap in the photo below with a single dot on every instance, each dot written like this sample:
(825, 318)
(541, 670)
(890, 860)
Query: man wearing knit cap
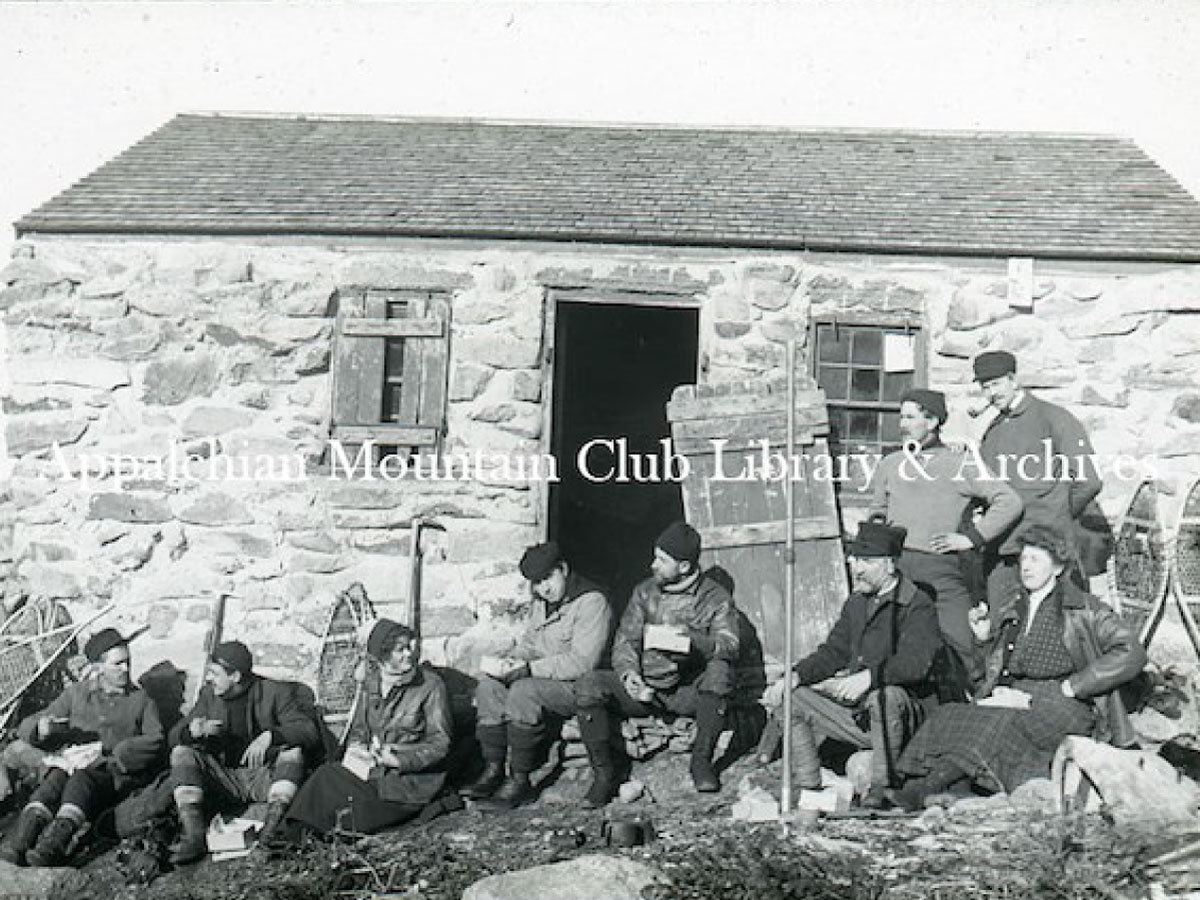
(674, 651)
(566, 638)
(247, 739)
(106, 708)
(864, 685)
(1043, 453)
(926, 488)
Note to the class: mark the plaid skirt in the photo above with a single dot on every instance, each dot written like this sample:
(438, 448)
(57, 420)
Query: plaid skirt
(999, 748)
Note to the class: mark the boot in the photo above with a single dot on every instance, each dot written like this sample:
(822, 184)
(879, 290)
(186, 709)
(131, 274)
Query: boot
(24, 835)
(806, 761)
(524, 743)
(594, 728)
(494, 741)
(192, 844)
(710, 722)
(916, 791)
(271, 836)
(51, 847)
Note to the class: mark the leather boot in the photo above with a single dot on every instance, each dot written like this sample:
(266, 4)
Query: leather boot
(51, 847)
(192, 844)
(710, 722)
(24, 835)
(524, 743)
(493, 739)
(806, 761)
(594, 728)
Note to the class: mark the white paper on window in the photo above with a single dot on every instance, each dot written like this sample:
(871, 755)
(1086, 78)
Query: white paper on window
(899, 352)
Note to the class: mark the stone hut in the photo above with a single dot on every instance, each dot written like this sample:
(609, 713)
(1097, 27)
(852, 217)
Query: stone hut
(234, 356)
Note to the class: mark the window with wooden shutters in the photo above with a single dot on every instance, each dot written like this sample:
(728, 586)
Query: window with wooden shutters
(390, 370)
(865, 366)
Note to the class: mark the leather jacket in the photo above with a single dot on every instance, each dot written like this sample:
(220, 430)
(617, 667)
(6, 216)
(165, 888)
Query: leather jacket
(1105, 650)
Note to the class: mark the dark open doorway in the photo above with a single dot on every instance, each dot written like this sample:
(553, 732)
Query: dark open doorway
(615, 366)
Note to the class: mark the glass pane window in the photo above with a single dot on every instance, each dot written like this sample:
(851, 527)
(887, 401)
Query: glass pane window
(863, 386)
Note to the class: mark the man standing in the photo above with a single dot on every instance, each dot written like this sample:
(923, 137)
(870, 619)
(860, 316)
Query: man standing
(864, 684)
(247, 739)
(674, 651)
(566, 639)
(1044, 454)
(104, 707)
(925, 489)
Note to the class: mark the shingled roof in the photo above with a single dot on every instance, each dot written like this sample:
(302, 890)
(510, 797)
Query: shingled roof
(989, 194)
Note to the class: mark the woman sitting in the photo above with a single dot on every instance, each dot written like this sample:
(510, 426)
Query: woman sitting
(399, 740)
(1056, 656)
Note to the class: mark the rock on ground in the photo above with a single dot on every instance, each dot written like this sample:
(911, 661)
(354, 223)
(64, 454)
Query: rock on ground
(594, 877)
(36, 884)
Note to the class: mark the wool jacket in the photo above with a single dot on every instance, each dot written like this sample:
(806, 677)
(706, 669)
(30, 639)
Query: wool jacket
(927, 491)
(126, 724)
(414, 722)
(1053, 494)
(894, 636)
(569, 640)
(704, 609)
(1104, 649)
(280, 707)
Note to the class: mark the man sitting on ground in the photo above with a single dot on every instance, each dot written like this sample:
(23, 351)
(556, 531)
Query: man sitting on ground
(247, 739)
(875, 663)
(107, 709)
(566, 639)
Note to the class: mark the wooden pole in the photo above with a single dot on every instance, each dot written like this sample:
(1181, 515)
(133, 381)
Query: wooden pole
(789, 590)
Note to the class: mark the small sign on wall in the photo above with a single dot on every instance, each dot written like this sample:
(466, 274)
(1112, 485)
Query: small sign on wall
(1020, 283)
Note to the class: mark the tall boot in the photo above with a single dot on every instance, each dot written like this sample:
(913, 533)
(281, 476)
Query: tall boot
(524, 742)
(916, 791)
(51, 847)
(493, 740)
(806, 760)
(192, 844)
(710, 722)
(32, 821)
(594, 729)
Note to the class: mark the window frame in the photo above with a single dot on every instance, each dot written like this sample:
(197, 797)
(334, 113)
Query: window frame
(881, 323)
(363, 383)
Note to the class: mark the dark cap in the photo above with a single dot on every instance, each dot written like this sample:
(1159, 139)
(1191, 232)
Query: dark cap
(994, 364)
(234, 656)
(680, 541)
(933, 402)
(540, 560)
(877, 539)
(385, 635)
(101, 642)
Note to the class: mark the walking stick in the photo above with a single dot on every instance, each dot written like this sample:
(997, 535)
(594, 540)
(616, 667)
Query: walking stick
(789, 589)
(419, 523)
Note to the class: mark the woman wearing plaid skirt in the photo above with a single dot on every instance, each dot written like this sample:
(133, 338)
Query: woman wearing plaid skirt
(1056, 656)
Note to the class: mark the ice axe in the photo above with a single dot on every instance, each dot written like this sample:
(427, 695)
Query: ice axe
(418, 524)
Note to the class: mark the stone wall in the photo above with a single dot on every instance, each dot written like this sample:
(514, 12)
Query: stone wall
(222, 349)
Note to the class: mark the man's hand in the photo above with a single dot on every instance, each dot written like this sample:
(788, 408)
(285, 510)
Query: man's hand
(256, 753)
(636, 687)
(979, 617)
(772, 697)
(849, 689)
(950, 543)
(516, 673)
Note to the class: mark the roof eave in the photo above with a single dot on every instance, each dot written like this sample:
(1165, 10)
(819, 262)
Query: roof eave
(29, 227)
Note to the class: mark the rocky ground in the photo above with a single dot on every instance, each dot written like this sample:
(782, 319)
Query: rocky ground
(1002, 847)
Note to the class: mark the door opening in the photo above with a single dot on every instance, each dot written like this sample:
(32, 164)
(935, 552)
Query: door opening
(615, 366)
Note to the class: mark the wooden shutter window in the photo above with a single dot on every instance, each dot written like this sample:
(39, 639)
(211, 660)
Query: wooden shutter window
(391, 370)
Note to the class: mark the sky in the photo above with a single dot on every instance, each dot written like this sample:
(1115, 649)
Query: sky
(79, 82)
